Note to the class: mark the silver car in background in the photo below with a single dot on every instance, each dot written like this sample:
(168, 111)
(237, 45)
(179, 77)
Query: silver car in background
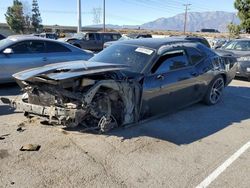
(18, 53)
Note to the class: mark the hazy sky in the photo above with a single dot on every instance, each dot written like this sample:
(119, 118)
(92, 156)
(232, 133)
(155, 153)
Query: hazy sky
(121, 12)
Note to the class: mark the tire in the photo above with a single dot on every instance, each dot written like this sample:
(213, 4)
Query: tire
(215, 91)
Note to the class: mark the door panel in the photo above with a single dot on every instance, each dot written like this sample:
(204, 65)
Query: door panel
(172, 85)
(14, 63)
(170, 91)
(26, 55)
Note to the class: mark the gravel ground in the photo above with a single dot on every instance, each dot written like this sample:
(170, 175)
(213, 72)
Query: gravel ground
(177, 150)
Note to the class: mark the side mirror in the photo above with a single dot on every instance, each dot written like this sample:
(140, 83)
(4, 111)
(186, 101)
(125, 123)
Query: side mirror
(8, 51)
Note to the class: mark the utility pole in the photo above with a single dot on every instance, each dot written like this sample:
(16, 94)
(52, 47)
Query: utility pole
(104, 16)
(79, 16)
(186, 12)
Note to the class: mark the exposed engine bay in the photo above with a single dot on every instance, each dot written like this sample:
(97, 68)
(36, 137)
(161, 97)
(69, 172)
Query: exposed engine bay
(96, 102)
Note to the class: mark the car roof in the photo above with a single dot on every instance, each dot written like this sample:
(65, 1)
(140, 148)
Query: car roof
(155, 43)
(19, 38)
(84, 32)
(243, 39)
(187, 36)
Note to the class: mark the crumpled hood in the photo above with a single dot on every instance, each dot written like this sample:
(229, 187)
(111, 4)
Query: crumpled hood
(66, 70)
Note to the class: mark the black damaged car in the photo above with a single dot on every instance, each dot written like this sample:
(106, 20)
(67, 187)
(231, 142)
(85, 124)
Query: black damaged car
(126, 83)
(240, 49)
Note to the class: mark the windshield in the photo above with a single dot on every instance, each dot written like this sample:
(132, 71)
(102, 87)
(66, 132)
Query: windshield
(125, 37)
(4, 42)
(134, 56)
(237, 45)
(79, 35)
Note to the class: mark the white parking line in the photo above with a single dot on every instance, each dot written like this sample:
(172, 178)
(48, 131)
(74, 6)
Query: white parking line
(223, 167)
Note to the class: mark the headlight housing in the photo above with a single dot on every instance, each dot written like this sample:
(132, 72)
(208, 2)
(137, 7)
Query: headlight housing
(244, 58)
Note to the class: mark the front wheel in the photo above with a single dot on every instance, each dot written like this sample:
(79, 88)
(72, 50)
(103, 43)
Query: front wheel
(215, 91)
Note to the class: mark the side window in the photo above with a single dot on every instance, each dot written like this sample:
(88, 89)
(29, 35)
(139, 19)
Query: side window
(115, 37)
(172, 60)
(37, 47)
(107, 37)
(98, 36)
(21, 48)
(29, 47)
(195, 55)
(90, 36)
(53, 47)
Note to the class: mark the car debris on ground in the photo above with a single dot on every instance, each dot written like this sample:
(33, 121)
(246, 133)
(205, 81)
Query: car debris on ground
(30, 147)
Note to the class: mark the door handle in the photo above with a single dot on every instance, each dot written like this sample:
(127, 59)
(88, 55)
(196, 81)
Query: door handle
(160, 77)
(45, 59)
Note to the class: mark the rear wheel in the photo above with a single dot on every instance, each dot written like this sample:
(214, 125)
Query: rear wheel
(215, 91)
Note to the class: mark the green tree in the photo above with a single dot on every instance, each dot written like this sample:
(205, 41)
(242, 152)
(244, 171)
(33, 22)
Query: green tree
(243, 7)
(234, 30)
(15, 18)
(36, 19)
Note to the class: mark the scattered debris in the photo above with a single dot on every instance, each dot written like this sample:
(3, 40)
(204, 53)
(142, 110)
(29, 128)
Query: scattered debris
(30, 147)
(20, 129)
(2, 137)
(21, 124)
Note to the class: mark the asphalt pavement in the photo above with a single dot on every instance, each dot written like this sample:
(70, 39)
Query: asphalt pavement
(200, 146)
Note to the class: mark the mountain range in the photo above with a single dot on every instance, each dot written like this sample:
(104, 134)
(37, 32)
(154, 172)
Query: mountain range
(195, 22)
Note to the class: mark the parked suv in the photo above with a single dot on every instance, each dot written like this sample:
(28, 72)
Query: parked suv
(92, 40)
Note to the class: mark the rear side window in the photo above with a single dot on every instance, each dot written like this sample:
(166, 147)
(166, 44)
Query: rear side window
(116, 37)
(107, 37)
(1, 37)
(53, 47)
(90, 36)
(21, 48)
(172, 60)
(29, 47)
(98, 36)
(195, 55)
(205, 42)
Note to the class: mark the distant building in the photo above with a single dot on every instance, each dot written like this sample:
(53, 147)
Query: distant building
(209, 31)
(4, 29)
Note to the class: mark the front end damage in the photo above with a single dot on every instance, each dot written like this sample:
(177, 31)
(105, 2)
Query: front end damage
(96, 102)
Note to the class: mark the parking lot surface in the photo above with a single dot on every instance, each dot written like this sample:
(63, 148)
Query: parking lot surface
(176, 150)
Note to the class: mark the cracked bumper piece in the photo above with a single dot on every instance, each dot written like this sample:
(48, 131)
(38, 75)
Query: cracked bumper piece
(52, 114)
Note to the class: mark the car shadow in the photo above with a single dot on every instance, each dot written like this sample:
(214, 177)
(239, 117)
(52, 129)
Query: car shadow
(9, 89)
(193, 123)
(6, 110)
(241, 79)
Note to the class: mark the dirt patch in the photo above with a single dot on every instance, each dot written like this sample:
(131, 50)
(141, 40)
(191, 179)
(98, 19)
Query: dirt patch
(4, 153)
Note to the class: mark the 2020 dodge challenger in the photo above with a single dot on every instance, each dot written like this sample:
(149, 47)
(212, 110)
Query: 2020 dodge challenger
(125, 83)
